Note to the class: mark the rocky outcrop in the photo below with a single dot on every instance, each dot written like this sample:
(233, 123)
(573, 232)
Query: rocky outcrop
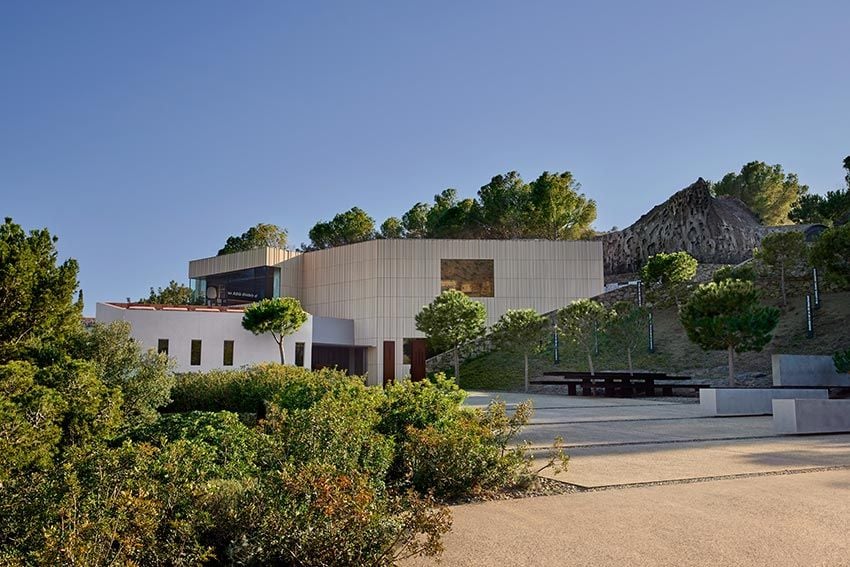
(715, 230)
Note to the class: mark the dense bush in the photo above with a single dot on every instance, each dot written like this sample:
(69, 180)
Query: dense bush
(335, 473)
(842, 361)
(247, 390)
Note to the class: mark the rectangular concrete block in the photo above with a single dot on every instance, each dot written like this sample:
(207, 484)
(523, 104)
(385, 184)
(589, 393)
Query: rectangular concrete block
(750, 401)
(807, 370)
(792, 417)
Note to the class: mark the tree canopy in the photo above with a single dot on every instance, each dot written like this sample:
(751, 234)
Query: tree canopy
(833, 208)
(549, 207)
(354, 225)
(728, 316)
(766, 189)
(628, 323)
(668, 274)
(173, 294)
(580, 322)
(279, 316)
(451, 320)
(258, 236)
(37, 307)
(831, 252)
(523, 331)
(782, 251)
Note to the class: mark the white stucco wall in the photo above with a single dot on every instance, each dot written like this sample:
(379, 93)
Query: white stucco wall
(212, 328)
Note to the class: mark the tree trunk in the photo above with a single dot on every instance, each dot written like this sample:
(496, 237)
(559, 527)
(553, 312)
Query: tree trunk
(280, 346)
(457, 364)
(590, 362)
(782, 285)
(629, 354)
(731, 366)
(526, 371)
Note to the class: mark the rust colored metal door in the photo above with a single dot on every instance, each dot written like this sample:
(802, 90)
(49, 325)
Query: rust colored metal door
(389, 362)
(417, 360)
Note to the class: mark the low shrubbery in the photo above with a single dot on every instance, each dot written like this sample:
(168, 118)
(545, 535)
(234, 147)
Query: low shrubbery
(247, 390)
(335, 473)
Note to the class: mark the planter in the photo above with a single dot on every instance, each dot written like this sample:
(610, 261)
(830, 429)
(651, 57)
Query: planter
(791, 417)
(807, 370)
(751, 401)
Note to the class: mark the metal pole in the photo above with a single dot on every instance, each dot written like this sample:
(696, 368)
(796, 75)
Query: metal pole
(810, 331)
(555, 347)
(651, 334)
(640, 293)
(815, 286)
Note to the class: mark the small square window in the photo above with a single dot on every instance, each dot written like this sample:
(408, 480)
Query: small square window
(228, 353)
(162, 346)
(195, 357)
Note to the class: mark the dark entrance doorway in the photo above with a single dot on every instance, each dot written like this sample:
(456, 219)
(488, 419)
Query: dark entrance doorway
(389, 362)
(350, 359)
(417, 359)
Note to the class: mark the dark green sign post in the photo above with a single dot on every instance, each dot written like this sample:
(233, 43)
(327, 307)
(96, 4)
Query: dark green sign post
(651, 334)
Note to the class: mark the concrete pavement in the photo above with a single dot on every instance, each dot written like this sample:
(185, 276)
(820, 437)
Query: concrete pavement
(794, 520)
(667, 486)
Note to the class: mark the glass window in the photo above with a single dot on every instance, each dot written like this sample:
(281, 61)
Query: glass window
(472, 277)
(162, 346)
(406, 351)
(228, 353)
(299, 354)
(195, 357)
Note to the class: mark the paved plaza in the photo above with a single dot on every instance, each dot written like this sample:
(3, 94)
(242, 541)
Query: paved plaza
(666, 486)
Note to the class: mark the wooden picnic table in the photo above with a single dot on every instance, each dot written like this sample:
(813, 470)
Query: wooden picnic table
(611, 381)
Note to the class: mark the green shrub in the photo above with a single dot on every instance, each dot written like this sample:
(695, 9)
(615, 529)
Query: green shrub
(468, 456)
(230, 448)
(246, 390)
(317, 516)
(842, 361)
(419, 404)
(745, 272)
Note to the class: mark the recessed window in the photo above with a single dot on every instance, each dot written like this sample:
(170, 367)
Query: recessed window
(228, 353)
(299, 354)
(406, 351)
(472, 277)
(162, 346)
(195, 356)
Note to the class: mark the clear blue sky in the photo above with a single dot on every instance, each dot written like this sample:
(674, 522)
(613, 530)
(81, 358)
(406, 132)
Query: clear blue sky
(144, 133)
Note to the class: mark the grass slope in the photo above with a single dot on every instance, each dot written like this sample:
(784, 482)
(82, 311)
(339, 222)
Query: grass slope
(499, 370)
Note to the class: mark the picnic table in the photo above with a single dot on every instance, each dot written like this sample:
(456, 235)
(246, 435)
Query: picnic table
(613, 382)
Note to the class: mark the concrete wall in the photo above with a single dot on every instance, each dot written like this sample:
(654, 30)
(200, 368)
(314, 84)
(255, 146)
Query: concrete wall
(811, 416)
(750, 401)
(807, 370)
(212, 327)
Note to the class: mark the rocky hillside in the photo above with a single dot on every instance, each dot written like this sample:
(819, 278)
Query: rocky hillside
(715, 230)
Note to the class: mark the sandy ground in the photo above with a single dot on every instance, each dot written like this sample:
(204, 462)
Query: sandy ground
(666, 486)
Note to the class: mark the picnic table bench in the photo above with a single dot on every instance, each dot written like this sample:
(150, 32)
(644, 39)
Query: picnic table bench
(616, 382)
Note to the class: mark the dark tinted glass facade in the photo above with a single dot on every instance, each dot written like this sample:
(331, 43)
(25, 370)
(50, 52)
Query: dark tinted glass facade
(242, 286)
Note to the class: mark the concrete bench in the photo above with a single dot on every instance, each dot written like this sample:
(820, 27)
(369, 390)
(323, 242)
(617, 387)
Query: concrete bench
(806, 371)
(792, 417)
(751, 401)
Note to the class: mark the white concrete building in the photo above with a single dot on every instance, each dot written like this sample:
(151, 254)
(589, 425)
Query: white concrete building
(362, 297)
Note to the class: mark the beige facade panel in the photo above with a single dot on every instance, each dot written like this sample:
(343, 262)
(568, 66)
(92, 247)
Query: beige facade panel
(239, 261)
(382, 284)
